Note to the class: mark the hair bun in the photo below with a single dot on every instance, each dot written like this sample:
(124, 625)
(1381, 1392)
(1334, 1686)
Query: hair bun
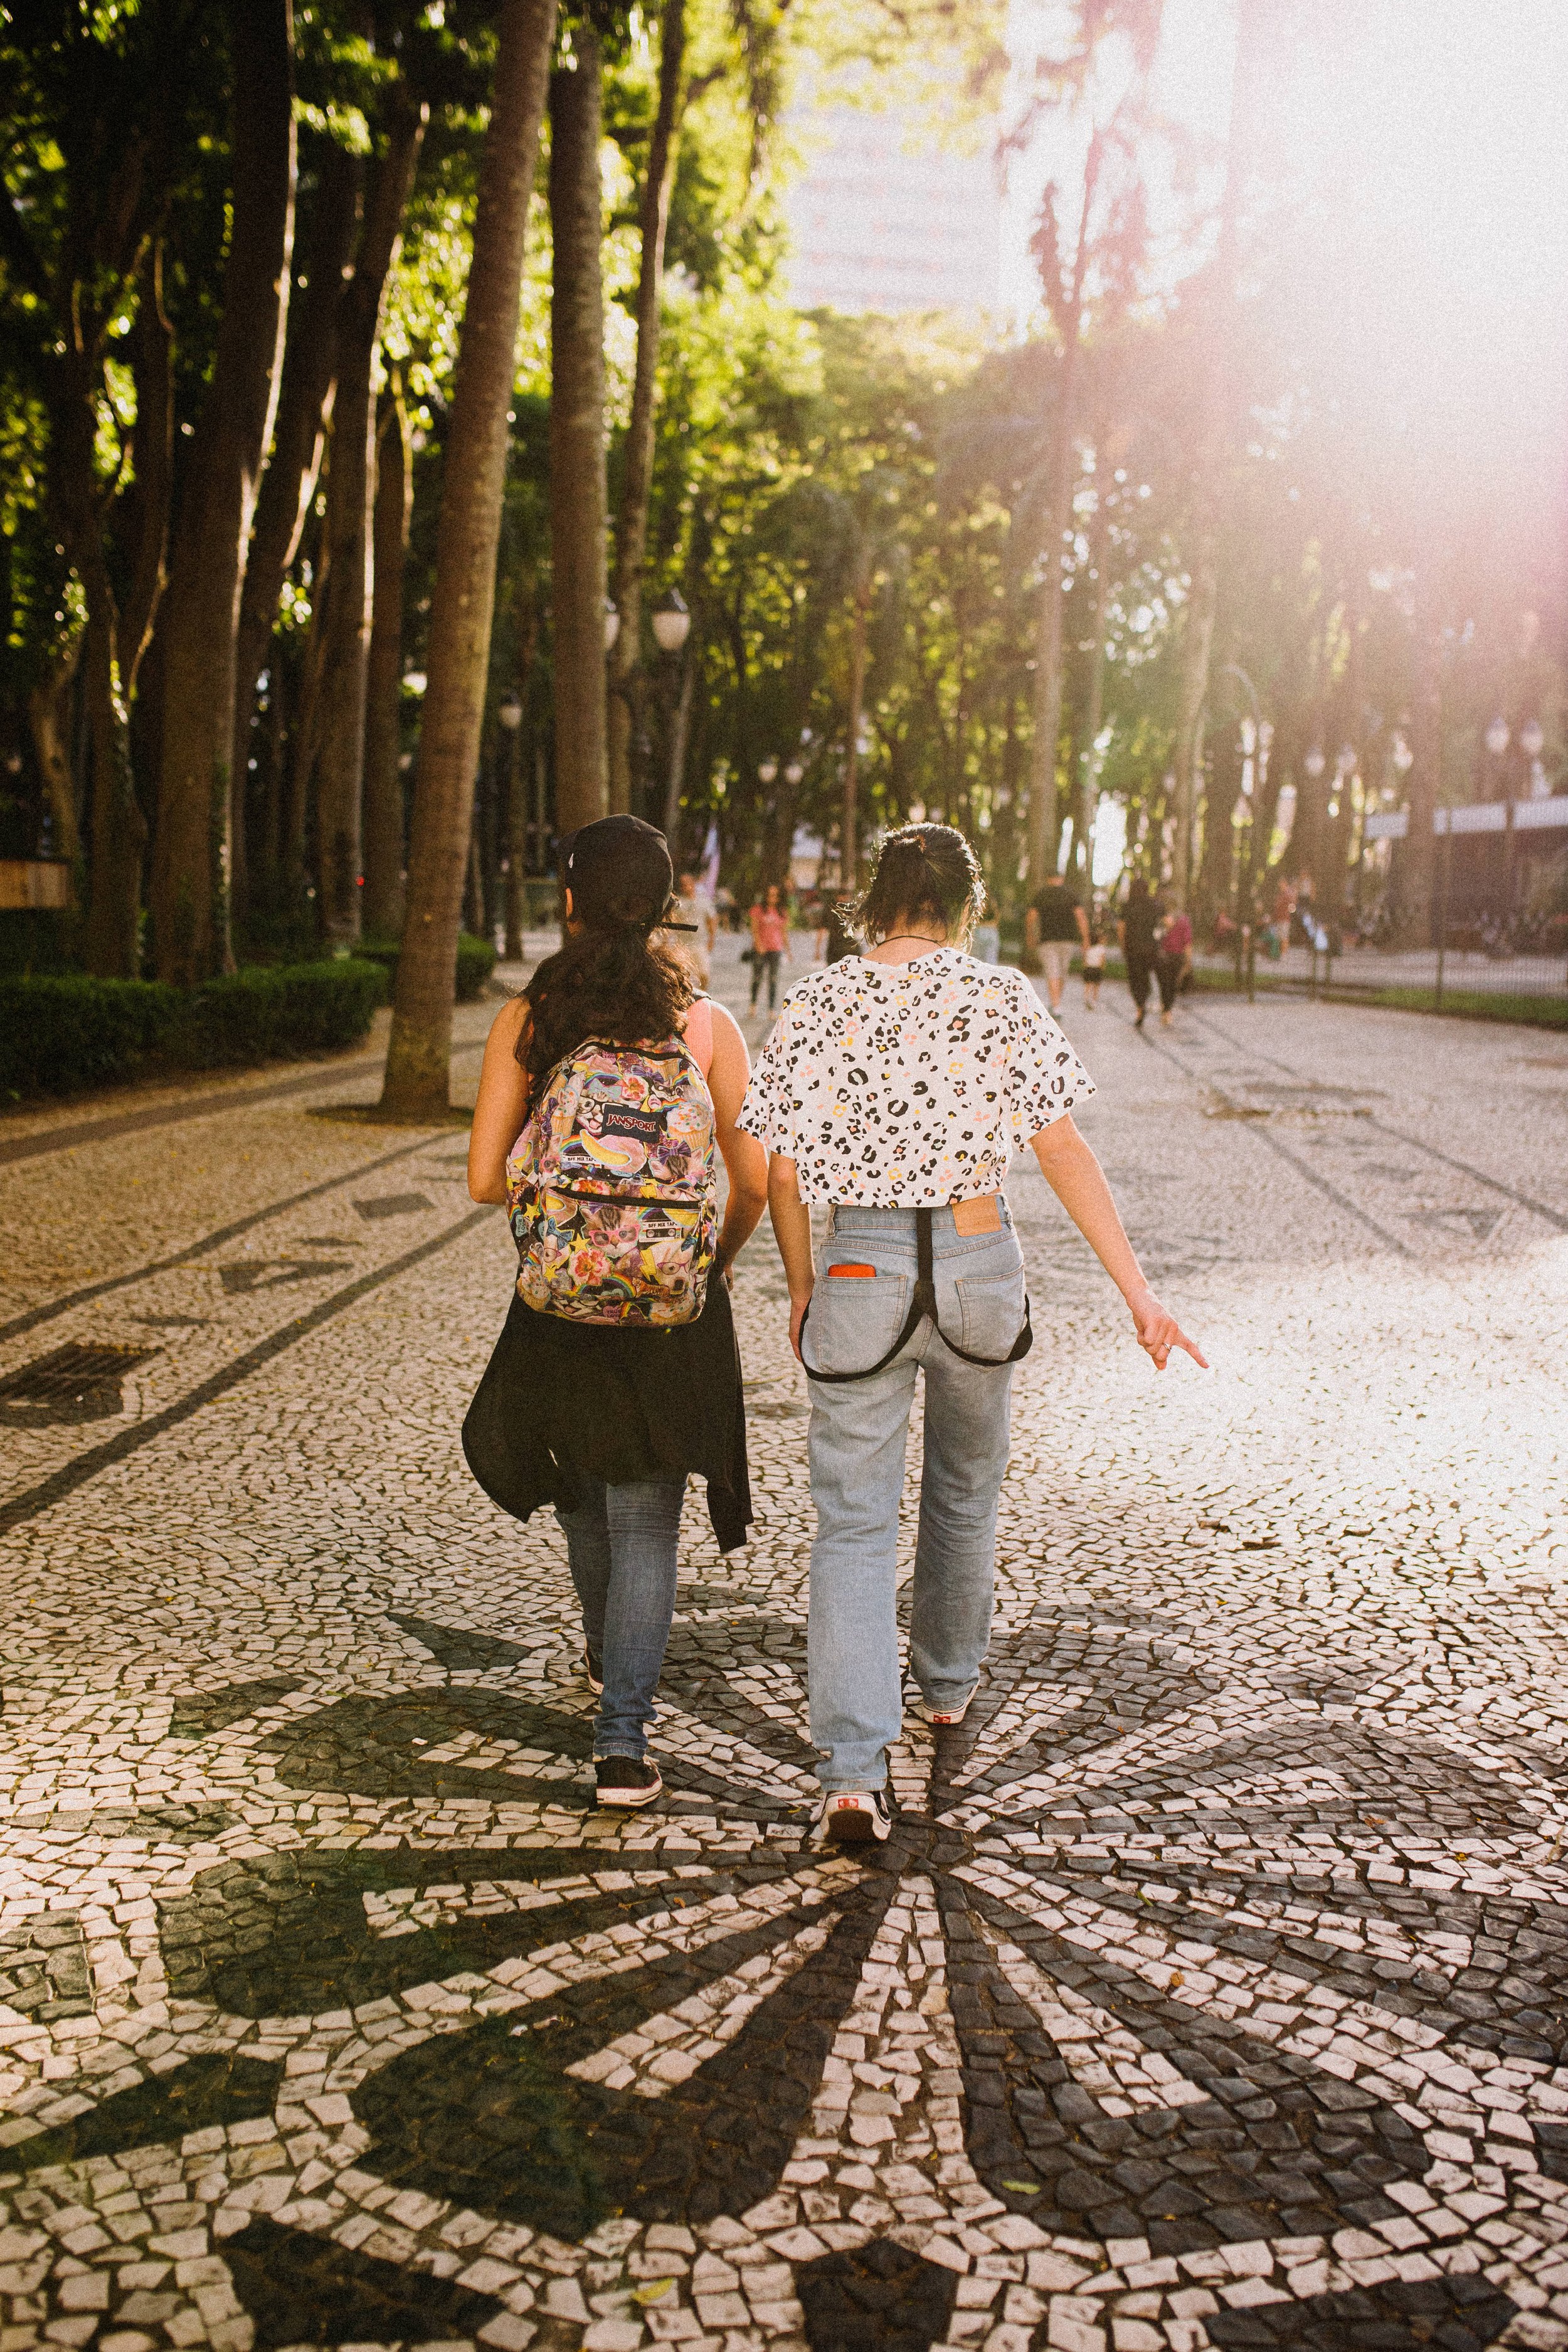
(922, 873)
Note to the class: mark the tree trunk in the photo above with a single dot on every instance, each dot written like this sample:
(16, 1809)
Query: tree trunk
(110, 939)
(293, 468)
(384, 676)
(1067, 310)
(631, 537)
(269, 859)
(1004, 812)
(467, 536)
(577, 494)
(191, 867)
(1415, 857)
(146, 531)
(849, 843)
(1100, 563)
(114, 641)
(1212, 885)
(112, 942)
(517, 771)
(1048, 638)
(351, 493)
(48, 723)
(1217, 330)
(1191, 692)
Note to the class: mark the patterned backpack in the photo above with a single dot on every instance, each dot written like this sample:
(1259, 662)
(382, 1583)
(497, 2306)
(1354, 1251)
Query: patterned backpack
(612, 1189)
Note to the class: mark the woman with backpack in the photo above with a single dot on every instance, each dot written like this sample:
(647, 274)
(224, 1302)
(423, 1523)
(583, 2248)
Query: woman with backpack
(895, 1088)
(606, 1089)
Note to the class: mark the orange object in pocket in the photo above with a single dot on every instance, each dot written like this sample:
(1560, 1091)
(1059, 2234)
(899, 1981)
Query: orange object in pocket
(863, 1271)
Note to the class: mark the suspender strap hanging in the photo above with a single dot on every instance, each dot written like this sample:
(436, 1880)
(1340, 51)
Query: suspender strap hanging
(924, 1305)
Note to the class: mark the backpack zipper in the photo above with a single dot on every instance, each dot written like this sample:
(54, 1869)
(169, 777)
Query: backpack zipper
(624, 1199)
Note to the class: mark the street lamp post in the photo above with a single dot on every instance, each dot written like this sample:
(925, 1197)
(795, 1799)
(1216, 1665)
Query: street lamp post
(767, 776)
(672, 628)
(509, 713)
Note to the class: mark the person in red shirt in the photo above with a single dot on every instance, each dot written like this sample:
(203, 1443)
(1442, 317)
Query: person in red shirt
(770, 940)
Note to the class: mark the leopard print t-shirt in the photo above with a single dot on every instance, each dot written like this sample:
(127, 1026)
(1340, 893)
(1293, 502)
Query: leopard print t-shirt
(908, 1085)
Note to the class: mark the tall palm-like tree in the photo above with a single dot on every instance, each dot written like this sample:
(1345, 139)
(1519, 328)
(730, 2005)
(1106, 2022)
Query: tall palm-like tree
(1085, 273)
(578, 495)
(631, 532)
(468, 534)
(1215, 300)
(201, 613)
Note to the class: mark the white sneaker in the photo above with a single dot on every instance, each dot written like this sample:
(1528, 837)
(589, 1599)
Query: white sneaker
(855, 1816)
(943, 1719)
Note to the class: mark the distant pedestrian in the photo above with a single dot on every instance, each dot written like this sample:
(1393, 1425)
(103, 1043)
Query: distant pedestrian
(895, 1089)
(694, 947)
(604, 1089)
(770, 940)
(1140, 919)
(1055, 923)
(1173, 962)
(1094, 953)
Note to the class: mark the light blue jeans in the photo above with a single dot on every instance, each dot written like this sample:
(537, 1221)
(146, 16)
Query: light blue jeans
(621, 1544)
(858, 1438)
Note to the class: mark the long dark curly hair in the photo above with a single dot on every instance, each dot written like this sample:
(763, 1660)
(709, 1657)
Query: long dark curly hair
(609, 980)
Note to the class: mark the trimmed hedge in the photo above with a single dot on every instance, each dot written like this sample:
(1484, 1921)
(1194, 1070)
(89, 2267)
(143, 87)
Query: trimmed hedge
(269, 1011)
(476, 961)
(36, 938)
(58, 1034)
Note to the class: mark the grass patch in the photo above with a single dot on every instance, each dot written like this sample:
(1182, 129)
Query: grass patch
(1458, 1003)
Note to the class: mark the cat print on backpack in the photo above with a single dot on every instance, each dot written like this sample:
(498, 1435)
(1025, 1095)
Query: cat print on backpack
(611, 1190)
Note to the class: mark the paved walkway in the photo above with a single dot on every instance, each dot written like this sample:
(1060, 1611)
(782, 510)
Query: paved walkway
(1213, 1989)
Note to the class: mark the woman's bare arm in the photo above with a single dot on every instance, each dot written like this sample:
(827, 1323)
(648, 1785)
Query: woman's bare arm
(502, 1106)
(745, 1161)
(791, 1231)
(1078, 1179)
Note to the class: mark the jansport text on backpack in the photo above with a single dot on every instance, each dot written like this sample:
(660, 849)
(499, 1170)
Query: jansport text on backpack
(612, 1191)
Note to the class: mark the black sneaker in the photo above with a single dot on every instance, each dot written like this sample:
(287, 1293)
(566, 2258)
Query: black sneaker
(595, 1670)
(855, 1816)
(628, 1781)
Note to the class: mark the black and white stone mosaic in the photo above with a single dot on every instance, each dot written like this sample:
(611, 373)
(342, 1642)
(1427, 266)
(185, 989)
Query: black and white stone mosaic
(1213, 1989)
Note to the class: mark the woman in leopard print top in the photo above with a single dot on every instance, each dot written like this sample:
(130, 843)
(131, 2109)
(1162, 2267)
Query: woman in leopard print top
(895, 1088)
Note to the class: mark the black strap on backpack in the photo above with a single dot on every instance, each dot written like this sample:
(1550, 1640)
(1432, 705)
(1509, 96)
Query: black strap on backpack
(924, 1304)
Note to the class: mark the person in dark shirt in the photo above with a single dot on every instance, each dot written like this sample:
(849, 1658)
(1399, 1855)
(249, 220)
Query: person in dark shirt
(1055, 923)
(1140, 920)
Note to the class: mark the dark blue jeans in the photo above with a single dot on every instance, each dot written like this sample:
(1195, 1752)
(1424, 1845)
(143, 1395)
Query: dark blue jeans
(765, 959)
(621, 1544)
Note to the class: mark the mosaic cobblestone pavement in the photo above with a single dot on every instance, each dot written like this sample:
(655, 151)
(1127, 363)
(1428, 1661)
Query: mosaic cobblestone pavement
(1213, 1987)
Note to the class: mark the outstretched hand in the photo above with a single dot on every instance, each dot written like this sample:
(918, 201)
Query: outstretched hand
(1159, 1331)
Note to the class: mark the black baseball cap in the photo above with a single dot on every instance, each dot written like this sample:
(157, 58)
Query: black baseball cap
(620, 873)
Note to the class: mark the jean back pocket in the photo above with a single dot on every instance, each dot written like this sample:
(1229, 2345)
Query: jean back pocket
(854, 1318)
(991, 1311)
